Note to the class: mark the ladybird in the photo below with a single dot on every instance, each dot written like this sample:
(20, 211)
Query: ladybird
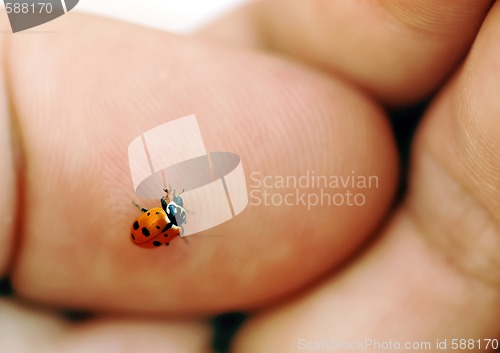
(153, 229)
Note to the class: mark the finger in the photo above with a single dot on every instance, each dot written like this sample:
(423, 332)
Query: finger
(17, 323)
(403, 295)
(399, 51)
(132, 335)
(437, 263)
(48, 333)
(282, 120)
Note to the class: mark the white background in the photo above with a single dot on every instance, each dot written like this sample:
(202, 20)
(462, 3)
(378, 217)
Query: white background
(181, 16)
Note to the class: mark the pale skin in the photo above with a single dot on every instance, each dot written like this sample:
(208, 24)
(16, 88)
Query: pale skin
(81, 89)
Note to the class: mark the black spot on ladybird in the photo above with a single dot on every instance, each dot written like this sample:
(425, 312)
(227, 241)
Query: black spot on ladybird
(157, 212)
(156, 243)
(149, 214)
(136, 225)
(157, 227)
(167, 244)
(132, 236)
(145, 231)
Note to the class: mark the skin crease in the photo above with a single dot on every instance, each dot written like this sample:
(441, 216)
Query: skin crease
(413, 293)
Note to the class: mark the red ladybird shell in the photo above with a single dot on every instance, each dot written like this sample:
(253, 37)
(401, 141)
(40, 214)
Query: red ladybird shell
(151, 229)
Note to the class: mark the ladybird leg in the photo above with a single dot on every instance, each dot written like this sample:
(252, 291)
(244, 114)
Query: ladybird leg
(142, 209)
(136, 205)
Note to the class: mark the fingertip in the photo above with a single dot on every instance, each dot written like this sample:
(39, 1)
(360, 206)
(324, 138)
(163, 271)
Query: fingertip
(17, 322)
(33, 329)
(282, 119)
(398, 51)
(455, 180)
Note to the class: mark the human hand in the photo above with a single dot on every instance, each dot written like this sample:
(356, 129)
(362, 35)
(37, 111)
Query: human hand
(103, 83)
